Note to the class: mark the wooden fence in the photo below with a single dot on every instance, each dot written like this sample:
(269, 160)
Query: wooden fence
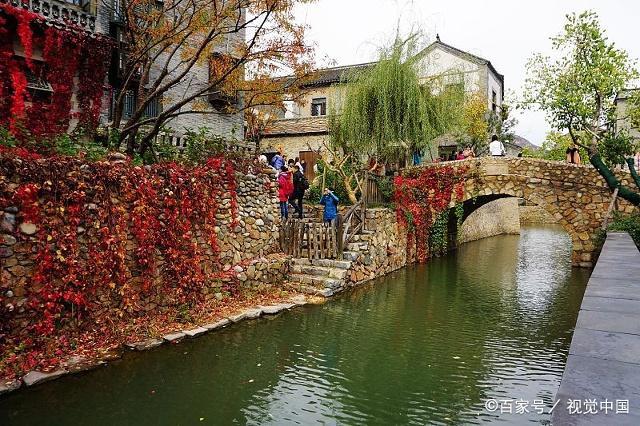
(371, 192)
(300, 238)
(313, 240)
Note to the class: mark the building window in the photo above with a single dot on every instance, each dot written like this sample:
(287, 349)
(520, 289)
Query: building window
(129, 104)
(494, 101)
(319, 106)
(38, 87)
(152, 109)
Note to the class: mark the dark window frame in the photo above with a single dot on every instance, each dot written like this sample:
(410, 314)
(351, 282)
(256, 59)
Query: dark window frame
(494, 101)
(318, 107)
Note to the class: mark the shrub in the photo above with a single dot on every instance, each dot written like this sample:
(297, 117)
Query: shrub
(202, 144)
(627, 223)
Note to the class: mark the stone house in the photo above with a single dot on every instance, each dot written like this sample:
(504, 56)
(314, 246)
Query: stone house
(23, 51)
(299, 131)
(102, 21)
(219, 121)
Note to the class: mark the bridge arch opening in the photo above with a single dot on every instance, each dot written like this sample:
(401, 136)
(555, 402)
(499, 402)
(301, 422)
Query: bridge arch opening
(457, 218)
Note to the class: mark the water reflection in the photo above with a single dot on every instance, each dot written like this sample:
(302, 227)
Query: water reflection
(427, 344)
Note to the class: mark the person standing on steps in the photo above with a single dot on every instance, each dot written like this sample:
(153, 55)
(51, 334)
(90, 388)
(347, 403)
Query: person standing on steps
(284, 191)
(300, 184)
(496, 148)
(330, 202)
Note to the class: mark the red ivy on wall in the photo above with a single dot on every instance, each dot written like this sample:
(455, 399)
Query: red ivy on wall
(67, 54)
(420, 195)
(116, 232)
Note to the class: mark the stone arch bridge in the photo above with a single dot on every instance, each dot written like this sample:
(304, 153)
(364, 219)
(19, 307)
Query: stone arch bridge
(577, 196)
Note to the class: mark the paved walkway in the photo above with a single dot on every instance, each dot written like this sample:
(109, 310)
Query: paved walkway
(604, 358)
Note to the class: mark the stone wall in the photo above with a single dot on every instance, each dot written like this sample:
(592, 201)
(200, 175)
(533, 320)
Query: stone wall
(386, 247)
(249, 257)
(494, 218)
(293, 145)
(532, 215)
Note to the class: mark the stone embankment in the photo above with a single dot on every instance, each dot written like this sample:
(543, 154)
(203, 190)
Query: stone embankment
(96, 295)
(601, 380)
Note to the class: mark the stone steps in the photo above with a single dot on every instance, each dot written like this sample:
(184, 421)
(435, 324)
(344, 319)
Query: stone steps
(307, 289)
(316, 281)
(358, 246)
(319, 271)
(324, 277)
(350, 255)
(327, 263)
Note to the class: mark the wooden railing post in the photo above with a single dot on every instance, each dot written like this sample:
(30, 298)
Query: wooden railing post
(339, 229)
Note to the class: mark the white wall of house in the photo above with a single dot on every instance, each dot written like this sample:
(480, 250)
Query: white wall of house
(622, 120)
(493, 85)
(439, 61)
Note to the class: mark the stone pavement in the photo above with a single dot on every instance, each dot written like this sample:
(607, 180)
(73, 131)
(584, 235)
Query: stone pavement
(604, 358)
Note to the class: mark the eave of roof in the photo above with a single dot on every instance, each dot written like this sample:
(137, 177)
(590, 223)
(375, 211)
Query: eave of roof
(328, 76)
(625, 93)
(336, 74)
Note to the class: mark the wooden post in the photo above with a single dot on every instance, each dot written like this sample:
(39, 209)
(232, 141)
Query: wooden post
(324, 176)
(338, 231)
(605, 223)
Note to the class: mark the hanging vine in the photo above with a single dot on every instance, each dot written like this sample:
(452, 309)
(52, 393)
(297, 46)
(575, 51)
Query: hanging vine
(422, 197)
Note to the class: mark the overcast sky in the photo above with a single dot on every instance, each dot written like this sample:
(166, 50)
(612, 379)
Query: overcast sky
(505, 32)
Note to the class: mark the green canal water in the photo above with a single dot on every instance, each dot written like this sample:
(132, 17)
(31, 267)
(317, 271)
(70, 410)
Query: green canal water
(428, 344)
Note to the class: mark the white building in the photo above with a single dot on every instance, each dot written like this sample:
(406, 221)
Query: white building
(623, 123)
(458, 67)
(303, 126)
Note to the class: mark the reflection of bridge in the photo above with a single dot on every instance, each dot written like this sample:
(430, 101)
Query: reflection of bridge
(577, 196)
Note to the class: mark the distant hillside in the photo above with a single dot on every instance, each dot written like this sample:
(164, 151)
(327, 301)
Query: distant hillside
(523, 143)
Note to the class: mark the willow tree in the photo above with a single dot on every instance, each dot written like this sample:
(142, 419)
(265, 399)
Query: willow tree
(386, 114)
(578, 92)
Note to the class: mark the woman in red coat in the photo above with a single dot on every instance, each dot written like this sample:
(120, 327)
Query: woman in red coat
(285, 189)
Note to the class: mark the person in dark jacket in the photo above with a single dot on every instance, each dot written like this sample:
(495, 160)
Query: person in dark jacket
(330, 202)
(298, 190)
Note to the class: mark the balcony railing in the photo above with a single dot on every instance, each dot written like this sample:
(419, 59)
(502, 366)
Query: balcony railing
(59, 13)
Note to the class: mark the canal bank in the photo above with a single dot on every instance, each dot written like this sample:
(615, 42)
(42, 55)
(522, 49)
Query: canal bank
(425, 344)
(601, 381)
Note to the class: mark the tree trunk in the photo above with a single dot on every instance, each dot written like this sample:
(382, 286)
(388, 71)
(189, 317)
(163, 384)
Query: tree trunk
(613, 182)
(351, 193)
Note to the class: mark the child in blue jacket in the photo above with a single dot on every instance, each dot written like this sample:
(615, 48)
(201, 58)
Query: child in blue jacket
(330, 203)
